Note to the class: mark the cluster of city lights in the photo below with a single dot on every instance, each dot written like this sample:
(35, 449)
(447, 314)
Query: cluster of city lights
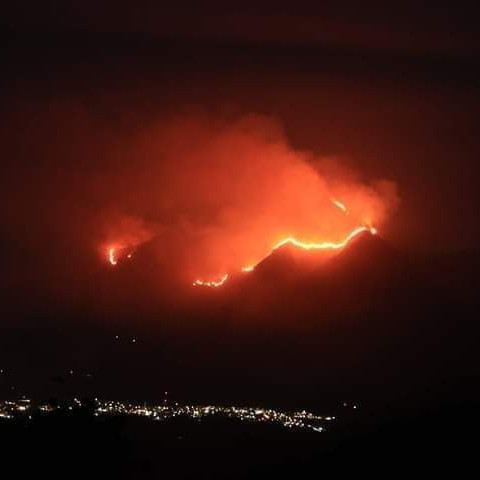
(299, 420)
(293, 420)
(12, 409)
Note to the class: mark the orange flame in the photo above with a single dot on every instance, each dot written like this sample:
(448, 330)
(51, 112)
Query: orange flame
(201, 283)
(323, 245)
(116, 254)
(249, 268)
(112, 258)
(293, 241)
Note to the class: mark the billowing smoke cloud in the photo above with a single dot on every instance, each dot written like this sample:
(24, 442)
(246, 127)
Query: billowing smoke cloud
(189, 196)
(222, 191)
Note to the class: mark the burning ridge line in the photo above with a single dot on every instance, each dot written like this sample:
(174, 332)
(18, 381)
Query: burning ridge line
(296, 243)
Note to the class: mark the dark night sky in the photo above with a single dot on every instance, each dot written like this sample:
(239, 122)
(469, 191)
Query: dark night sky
(404, 26)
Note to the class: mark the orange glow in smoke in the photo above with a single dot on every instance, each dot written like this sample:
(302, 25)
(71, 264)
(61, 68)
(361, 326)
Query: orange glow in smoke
(115, 252)
(299, 244)
(296, 243)
(230, 196)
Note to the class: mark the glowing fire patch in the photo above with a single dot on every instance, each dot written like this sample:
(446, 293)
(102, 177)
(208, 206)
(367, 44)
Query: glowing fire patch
(112, 258)
(117, 254)
(296, 243)
(113, 254)
(323, 245)
(249, 268)
(219, 283)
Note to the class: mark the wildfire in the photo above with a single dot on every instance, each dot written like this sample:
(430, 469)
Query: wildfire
(112, 258)
(293, 241)
(219, 283)
(299, 244)
(113, 253)
(249, 268)
(118, 253)
(323, 245)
